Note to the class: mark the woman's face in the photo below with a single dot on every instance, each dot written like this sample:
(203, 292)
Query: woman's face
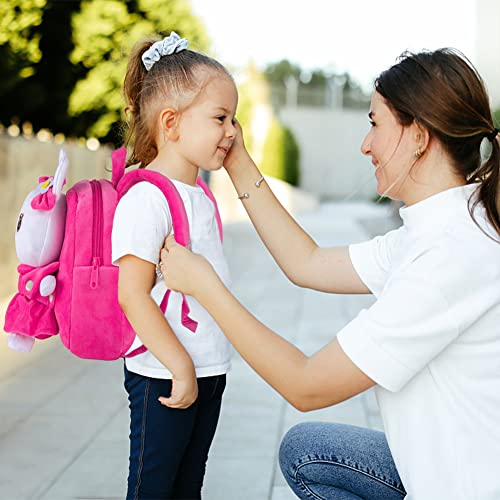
(391, 148)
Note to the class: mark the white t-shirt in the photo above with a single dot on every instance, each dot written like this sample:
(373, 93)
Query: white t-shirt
(141, 223)
(432, 344)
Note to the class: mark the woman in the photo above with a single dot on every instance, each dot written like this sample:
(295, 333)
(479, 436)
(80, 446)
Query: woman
(431, 342)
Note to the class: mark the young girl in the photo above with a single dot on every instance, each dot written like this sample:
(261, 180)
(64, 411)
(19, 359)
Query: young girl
(431, 341)
(182, 106)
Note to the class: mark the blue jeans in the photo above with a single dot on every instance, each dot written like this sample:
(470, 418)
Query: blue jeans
(169, 447)
(336, 461)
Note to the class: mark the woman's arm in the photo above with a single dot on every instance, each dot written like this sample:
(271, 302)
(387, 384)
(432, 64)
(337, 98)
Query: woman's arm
(326, 378)
(299, 257)
(136, 279)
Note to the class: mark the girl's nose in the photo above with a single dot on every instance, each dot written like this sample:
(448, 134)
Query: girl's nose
(231, 131)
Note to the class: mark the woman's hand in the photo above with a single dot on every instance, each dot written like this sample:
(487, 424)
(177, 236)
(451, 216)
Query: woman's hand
(184, 271)
(238, 152)
(184, 392)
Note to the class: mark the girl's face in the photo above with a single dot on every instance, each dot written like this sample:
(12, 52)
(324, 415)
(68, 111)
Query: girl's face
(391, 147)
(206, 128)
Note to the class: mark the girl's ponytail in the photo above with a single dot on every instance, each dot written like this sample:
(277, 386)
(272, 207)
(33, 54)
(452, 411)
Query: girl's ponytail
(138, 133)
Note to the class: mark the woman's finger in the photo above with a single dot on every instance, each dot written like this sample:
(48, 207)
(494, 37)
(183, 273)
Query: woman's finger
(170, 242)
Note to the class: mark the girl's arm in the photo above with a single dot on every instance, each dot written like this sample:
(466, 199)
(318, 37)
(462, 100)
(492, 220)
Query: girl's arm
(326, 378)
(136, 279)
(299, 257)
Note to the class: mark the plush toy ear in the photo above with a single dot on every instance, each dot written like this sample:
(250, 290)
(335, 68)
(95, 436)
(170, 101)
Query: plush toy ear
(60, 175)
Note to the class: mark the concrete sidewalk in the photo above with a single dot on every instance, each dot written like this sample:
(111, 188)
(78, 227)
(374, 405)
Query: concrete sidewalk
(64, 421)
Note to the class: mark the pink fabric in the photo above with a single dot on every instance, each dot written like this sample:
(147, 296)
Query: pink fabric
(118, 161)
(92, 323)
(47, 200)
(175, 203)
(136, 352)
(29, 313)
(44, 201)
(186, 321)
(211, 196)
(179, 222)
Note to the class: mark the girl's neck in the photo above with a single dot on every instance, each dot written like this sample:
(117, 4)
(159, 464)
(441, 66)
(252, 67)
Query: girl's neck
(174, 167)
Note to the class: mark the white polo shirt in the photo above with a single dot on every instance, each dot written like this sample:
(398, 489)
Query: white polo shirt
(432, 344)
(141, 223)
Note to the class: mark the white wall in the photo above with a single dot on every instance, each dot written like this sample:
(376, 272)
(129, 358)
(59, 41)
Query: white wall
(487, 53)
(331, 163)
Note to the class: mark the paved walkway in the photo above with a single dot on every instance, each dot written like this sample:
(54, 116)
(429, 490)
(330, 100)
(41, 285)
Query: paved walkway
(64, 421)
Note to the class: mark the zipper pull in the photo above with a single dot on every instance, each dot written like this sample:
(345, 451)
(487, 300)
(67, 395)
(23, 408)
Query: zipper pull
(94, 275)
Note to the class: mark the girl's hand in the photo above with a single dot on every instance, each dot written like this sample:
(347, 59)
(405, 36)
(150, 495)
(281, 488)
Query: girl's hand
(184, 393)
(238, 151)
(184, 271)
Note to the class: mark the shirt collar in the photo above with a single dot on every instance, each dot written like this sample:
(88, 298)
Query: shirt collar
(437, 209)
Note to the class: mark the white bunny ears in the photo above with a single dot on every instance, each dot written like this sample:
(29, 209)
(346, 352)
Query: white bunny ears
(49, 189)
(60, 175)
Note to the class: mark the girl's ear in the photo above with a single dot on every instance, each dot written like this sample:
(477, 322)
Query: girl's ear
(169, 121)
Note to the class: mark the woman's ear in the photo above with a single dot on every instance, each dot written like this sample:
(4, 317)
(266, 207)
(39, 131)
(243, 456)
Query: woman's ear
(422, 136)
(169, 121)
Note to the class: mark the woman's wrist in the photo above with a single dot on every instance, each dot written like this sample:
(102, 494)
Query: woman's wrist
(239, 165)
(209, 285)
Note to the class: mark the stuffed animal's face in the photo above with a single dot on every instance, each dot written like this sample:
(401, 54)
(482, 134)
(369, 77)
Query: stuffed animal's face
(40, 225)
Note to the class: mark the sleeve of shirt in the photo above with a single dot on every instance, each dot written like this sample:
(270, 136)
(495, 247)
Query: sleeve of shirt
(372, 259)
(408, 326)
(141, 223)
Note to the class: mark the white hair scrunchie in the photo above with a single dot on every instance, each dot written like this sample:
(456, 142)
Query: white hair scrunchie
(169, 45)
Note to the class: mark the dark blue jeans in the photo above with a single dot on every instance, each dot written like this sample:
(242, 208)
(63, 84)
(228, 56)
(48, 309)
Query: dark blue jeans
(326, 461)
(169, 447)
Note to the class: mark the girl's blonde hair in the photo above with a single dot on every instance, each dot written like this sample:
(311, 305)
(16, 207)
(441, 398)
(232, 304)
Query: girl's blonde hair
(173, 80)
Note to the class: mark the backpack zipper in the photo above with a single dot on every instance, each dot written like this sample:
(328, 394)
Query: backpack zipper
(97, 228)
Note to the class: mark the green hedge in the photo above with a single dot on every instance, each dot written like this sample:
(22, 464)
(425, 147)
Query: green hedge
(496, 118)
(280, 155)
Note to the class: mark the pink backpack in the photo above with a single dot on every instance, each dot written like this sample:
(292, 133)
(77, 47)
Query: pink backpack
(91, 322)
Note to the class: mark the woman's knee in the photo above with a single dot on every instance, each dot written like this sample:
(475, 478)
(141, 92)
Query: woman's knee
(295, 445)
(317, 440)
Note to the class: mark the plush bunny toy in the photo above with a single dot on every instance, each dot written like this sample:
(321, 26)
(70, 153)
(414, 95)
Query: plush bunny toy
(39, 238)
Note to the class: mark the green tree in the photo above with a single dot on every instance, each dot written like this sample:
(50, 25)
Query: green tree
(280, 155)
(496, 118)
(19, 41)
(63, 62)
(277, 73)
(253, 92)
(312, 85)
(37, 77)
(104, 31)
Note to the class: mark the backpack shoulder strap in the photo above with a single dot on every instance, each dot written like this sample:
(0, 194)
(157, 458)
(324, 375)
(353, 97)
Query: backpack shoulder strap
(179, 222)
(211, 196)
(118, 159)
(176, 205)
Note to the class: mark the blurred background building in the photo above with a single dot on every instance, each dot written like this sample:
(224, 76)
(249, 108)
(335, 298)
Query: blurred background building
(486, 54)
